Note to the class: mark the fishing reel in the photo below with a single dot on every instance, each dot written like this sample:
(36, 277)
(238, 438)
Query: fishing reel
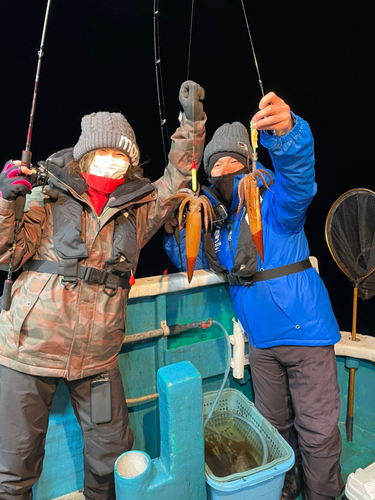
(39, 174)
(39, 177)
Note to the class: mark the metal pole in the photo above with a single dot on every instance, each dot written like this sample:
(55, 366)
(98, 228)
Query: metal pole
(166, 331)
(350, 415)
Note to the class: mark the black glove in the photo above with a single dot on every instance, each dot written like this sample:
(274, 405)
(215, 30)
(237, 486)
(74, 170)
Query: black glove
(13, 183)
(190, 96)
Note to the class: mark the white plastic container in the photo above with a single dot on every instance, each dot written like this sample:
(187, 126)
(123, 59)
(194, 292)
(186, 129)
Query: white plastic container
(361, 484)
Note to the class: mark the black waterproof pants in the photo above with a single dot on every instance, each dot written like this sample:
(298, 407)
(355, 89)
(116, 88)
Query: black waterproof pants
(307, 375)
(25, 403)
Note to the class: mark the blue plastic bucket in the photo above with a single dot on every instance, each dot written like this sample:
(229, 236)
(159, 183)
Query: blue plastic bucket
(261, 483)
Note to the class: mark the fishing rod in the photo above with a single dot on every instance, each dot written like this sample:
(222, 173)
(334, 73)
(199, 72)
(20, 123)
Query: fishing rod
(159, 83)
(253, 49)
(25, 162)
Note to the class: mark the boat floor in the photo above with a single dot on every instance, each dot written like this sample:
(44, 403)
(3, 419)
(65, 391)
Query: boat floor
(358, 454)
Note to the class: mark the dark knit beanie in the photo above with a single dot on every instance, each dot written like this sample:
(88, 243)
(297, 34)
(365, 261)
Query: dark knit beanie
(229, 138)
(107, 130)
(214, 158)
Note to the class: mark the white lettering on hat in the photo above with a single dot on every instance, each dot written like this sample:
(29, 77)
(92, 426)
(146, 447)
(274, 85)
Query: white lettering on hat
(128, 146)
(124, 142)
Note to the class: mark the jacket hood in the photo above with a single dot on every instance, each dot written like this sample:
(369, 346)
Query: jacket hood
(58, 166)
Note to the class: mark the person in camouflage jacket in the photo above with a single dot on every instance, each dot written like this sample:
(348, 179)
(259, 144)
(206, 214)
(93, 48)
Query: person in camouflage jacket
(79, 244)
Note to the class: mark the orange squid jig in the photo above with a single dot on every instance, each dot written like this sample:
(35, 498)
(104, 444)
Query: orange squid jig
(193, 224)
(248, 193)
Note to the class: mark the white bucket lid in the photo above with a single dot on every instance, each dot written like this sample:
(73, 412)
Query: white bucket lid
(361, 484)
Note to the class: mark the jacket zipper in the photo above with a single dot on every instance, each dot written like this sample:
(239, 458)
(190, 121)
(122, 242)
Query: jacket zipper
(230, 230)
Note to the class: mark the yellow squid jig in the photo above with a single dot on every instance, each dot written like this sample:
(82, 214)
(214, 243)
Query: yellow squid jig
(193, 224)
(248, 193)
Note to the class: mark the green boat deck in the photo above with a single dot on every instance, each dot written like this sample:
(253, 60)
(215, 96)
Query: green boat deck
(169, 300)
(356, 454)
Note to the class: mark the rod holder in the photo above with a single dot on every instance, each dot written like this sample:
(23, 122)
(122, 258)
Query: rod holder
(179, 471)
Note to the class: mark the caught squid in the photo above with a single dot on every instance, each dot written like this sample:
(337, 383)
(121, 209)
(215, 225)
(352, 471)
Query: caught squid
(248, 193)
(193, 225)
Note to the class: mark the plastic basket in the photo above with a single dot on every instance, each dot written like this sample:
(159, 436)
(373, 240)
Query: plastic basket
(265, 481)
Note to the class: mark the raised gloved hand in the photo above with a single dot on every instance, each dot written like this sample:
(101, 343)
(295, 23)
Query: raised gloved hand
(190, 96)
(13, 182)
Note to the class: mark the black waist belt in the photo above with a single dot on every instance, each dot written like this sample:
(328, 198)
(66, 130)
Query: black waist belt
(70, 270)
(277, 272)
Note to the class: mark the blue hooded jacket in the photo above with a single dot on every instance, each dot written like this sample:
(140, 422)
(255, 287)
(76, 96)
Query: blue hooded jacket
(288, 310)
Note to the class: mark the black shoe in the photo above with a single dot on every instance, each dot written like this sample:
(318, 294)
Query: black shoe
(292, 484)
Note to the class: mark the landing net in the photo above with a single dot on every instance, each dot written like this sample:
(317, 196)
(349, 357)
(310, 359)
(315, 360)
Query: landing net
(350, 235)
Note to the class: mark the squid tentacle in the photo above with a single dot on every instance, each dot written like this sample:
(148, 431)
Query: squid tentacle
(260, 173)
(195, 204)
(181, 210)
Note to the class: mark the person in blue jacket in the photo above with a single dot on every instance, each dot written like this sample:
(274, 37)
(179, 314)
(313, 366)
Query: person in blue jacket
(281, 302)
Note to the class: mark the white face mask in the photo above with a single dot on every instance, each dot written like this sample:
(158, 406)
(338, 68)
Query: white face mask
(107, 166)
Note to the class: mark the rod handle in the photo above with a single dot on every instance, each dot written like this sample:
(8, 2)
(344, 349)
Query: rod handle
(7, 293)
(19, 206)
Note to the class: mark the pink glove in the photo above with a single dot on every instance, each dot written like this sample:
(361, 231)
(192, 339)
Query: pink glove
(13, 182)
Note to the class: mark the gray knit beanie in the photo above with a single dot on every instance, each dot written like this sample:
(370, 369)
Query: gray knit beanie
(106, 130)
(229, 138)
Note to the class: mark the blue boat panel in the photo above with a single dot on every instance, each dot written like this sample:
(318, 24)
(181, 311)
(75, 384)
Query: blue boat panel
(63, 464)
(364, 387)
(209, 357)
(142, 314)
(196, 305)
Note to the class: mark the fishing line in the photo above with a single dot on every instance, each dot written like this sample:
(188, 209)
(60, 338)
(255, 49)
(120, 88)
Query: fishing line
(159, 83)
(162, 116)
(194, 184)
(252, 48)
(190, 37)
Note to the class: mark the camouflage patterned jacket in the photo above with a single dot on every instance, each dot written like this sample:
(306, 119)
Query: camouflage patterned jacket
(74, 332)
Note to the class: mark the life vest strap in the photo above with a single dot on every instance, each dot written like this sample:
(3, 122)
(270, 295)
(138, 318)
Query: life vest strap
(70, 269)
(269, 274)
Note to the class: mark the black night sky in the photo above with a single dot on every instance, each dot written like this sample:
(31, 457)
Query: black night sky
(99, 56)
